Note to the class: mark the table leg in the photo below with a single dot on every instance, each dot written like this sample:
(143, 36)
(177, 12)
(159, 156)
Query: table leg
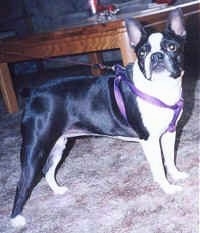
(7, 90)
(95, 58)
(127, 52)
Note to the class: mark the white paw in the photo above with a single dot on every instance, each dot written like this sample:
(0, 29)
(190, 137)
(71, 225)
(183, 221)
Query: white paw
(60, 190)
(179, 175)
(18, 221)
(171, 189)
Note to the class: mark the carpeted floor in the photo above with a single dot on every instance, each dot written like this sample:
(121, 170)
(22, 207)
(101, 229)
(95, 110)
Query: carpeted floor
(110, 185)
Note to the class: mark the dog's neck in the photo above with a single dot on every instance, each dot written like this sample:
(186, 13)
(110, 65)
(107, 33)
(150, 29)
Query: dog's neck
(162, 86)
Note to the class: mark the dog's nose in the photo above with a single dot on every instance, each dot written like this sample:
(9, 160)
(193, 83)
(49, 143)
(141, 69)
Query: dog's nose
(157, 57)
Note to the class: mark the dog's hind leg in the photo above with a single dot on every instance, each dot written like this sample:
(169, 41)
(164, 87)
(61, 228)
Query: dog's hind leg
(52, 163)
(32, 161)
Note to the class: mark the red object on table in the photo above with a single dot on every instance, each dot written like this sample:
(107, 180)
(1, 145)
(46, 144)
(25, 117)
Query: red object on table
(164, 1)
(97, 7)
(101, 8)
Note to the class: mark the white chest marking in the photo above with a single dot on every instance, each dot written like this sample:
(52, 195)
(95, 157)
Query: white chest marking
(155, 119)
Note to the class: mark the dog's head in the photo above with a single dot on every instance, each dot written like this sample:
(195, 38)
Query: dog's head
(159, 53)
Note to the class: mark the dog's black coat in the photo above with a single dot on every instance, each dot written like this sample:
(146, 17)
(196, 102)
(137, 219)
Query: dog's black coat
(84, 104)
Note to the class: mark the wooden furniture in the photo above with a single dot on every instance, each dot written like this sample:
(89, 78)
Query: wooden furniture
(85, 39)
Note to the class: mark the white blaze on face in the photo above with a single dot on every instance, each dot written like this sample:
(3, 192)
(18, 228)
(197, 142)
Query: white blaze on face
(154, 41)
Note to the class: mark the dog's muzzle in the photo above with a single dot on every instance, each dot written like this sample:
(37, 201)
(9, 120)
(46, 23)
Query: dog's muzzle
(157, 62)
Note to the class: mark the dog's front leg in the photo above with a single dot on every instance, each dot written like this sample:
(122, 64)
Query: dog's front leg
(168, 144)
(153, 154)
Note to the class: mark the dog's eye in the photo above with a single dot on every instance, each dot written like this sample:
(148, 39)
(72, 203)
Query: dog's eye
(172, 47)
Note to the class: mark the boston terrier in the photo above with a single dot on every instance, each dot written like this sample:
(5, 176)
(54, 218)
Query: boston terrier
(146, 109)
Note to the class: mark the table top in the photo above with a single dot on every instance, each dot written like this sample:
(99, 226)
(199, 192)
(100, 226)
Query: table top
(89, 37)
(127, 10)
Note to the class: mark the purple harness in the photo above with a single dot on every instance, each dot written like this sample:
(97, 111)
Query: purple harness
(121, 75)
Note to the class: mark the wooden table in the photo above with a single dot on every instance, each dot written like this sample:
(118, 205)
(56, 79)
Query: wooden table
(85, 39)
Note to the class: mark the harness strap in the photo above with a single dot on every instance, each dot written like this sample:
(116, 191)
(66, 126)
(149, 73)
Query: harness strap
(118, 97)
(121, 75)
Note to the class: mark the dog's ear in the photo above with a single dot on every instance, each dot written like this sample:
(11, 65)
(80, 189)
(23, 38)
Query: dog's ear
(175, 23)
(135, 31)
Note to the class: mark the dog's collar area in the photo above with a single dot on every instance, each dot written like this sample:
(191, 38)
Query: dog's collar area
(121, 75)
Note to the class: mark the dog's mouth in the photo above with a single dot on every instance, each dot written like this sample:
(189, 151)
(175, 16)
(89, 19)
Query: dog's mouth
(155, 64)
(157, 67)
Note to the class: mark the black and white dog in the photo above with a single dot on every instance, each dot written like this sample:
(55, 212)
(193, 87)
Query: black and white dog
(88, 106)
